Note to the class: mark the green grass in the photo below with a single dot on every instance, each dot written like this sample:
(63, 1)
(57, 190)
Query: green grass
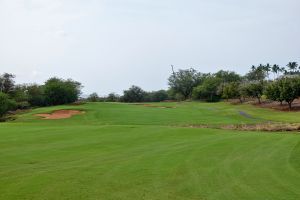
(123, 151)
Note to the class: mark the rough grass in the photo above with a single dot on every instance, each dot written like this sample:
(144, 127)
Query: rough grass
(119, 151)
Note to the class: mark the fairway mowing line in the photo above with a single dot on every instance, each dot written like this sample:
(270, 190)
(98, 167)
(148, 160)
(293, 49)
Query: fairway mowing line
(153, 106)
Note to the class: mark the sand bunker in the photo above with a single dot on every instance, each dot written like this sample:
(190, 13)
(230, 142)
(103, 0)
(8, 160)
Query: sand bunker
(60, 114)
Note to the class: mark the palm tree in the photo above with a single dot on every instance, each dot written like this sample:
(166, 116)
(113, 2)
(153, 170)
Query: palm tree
(283, 70)
(260, 67)
(260, 72)
(292, 67)
(275, 69)
(267, 69)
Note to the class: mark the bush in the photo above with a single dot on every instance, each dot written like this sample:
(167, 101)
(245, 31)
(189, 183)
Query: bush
(183, 82)
(36, 95)
(6, 104)
(289, 88)
(254, 89)
(59, 91)
(208, 91)
(22, 105)
(93, 97)
(112, 97)
(273, 92)
(134, 94)
(232, 91)
(19, 93)
(157, 96)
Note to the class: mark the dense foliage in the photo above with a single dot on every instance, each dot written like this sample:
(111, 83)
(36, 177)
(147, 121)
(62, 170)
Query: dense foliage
(290, 89)
(134, 94)
(7, 83)
(208, 90)
(283, 86)
(59, 91)
(6, 104)
(184, 81)
(55, 91)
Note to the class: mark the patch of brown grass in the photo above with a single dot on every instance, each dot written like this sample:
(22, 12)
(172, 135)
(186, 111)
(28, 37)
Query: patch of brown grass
(270, 127)
(266, 127)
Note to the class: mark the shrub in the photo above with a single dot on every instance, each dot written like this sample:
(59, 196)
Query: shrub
(289, 89)
(59, 91)
(254, 89)
(6, 104)
(134, 94)
(112, 97)
(208, 90)
(93, 97)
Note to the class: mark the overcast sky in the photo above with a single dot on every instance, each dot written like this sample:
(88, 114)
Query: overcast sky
(109, 45)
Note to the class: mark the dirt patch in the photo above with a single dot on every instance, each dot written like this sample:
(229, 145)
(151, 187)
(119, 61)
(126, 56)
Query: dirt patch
(269, 127)
(266, 127)
(60, 114)
(270, 104)
(154, 106)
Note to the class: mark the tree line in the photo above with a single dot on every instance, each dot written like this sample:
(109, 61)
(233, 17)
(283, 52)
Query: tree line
(132, 95)
(54, 91)
(276, 83)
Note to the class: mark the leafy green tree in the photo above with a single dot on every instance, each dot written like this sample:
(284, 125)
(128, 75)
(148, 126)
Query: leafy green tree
(226, 77)
(273, 92)
(93, 97)
(6, 104)
(160, 95)
(208, 90)
(257, 73)
(19, 93)
(36, 95)
(183, 81)
(59, 91)
(112, 97)
(134, 94)
(254, 89)
(172, 95)
(7, 83)
(156, 96)
(289, 89)
(232, 91)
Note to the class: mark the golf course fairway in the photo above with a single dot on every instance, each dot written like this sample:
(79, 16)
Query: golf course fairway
(114, 151)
